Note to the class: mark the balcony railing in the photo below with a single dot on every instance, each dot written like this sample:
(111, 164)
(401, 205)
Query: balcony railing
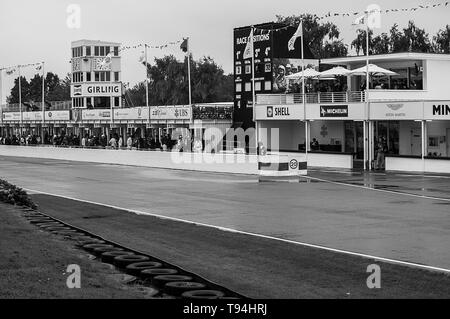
(312, 98)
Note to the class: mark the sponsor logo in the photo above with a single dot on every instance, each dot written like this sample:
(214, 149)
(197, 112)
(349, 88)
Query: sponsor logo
(50, 114)
(441, 109)
(270, 111)
(334, 111)
(77, 90)
(395, 107)
(104, 89)
(293, 164)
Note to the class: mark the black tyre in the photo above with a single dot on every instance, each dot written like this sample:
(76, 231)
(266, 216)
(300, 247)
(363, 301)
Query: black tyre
(40, 220)
(109, 256)
(202, 294)
(161, 280)
(176, 288)
(136, 268)
(92, 247)
(101, 250)
(148, 274)
(81, 243)
(124, 261)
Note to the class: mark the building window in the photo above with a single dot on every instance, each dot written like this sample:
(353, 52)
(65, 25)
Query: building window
(248, 86)
(77, 52)
(116, 76)
(116, 101)
(78, 102)
(77, 77)
(267, 85)
(238, 87)
(107, 50)
(102, 76)
(96, 51)
(88, 76)
(248, 69)
(102, 51)
(258, 86)
(116, 51)
(238, 69)
(88, 50)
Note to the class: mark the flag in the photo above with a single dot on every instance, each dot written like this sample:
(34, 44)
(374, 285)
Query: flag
(184, 45)
(297, 34)
(361, 20)
(248, 52)
(10, 71)
(142, 57)
(106, 62)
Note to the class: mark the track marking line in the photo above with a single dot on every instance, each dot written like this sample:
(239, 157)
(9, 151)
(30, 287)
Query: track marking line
(378, 190)
(231, 230)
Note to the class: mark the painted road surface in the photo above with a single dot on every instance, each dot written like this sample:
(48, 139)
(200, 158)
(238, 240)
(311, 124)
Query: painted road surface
(379, 223)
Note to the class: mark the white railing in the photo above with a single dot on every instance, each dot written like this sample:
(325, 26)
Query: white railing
(311, 98)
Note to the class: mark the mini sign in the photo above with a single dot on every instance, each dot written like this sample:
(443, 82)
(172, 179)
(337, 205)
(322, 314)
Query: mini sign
(436, 110)
(334, 111)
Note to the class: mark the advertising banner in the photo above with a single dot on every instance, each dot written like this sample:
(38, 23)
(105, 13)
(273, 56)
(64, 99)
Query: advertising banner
(11, 116)
(135, 113)
(279, 112)
(32, 116)
(99, 114)
(396, 110)
(170, 113)
(436, 110)
(96, 89)
(57, 115)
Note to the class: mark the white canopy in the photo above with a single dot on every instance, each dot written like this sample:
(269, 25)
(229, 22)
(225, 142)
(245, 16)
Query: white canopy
(308, 73)
(336, 71)
(373, 70)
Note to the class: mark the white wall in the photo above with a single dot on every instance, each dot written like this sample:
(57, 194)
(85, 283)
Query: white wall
(291, 133)
(405, 136)
(439, 129)
(416, 165)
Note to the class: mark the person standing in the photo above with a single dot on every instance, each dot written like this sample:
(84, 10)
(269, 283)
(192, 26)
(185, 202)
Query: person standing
(129, 142)
(381, 152)
(120, 142)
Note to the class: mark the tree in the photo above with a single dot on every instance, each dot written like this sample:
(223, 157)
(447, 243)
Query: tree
(316, 35)
(360, 42)
(381, 44)
(168, 83)
(25, 91)
(441, 41)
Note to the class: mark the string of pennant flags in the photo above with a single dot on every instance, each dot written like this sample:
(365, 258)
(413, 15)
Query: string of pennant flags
(163, 46)
(353, 14)
(13, 69)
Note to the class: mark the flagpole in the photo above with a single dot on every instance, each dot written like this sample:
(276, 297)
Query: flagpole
(43, 103)
(189, 71)
(253, 88)
(1, 96)
(146, 78)
(304, 93)
(367, 144)
(20, 102)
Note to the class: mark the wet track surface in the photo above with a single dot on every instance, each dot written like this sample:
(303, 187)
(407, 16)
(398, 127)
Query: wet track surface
(391, 221)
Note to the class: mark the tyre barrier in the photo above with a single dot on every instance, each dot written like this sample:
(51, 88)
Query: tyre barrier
(148, 274)
(108, 257)
(136, 268)
(92, 247)
(125, 260)
(161, 280)
(177, 288)
(202, 294)
(173, 282)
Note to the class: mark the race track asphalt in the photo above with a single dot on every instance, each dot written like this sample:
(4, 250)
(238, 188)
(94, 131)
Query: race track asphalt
(385, 224)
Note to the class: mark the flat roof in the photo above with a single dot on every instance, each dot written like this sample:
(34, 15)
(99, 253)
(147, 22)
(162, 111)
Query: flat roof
(400, 56)
(82, 42)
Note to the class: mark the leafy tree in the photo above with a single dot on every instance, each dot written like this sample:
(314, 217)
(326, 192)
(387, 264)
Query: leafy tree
(25, 90)
(381, 44)
(316, 35)
(360, 42)
(441, 41)
(168, 83)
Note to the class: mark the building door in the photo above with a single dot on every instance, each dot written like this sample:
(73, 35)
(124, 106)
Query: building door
(416, 142)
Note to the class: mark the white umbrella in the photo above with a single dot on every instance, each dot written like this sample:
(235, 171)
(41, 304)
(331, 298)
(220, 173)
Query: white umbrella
(308, 73)
(373, 70)
(336, 71)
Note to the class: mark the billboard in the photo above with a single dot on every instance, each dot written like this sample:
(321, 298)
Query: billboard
(270, 52)
(170, 113)
(134, 113)
(96, 89)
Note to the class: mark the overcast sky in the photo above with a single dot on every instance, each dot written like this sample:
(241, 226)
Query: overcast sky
(36, 30)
